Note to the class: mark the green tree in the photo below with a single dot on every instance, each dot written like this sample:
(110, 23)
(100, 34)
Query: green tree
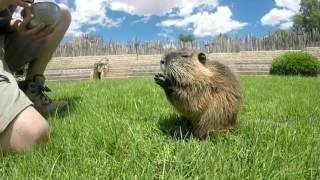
(186, 37)
(280, 33)
(222, 43)
(222, 37)
(309, 16)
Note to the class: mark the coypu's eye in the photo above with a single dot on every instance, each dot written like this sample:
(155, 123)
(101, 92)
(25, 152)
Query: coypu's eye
(202, 58)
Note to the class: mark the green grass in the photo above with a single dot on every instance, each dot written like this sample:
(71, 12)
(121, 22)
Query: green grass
(127, 129)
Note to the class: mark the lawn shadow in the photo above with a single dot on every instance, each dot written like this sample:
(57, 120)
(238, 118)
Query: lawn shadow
(72, 103)
(176, 127)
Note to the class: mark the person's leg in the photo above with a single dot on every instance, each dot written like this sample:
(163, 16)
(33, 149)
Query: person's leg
(28, 129)
(21, 126)
(20, 51)
(39, 65)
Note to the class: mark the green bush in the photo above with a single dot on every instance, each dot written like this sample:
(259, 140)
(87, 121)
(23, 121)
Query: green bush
(295, 63)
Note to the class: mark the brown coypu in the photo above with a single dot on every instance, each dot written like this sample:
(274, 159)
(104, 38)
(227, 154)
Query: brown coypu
(207, 93)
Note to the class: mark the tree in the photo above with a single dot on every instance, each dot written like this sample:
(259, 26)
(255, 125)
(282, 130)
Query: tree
(222, 37)
(222, 43)
(186, 37)
(309, 17)
(277, 40)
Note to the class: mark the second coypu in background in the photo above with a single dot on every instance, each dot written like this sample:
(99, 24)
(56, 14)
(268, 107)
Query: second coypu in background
(207, 93)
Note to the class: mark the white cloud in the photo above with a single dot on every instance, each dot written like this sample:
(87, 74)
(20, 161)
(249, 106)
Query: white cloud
(286, 25)
(143, 20)
(207, 24)
(283, 14)
(277, 16)
(90, 14)
(293, 5)
(92, 29)
(166, 33)
(87, 14)
(159, 7)
(187, 6)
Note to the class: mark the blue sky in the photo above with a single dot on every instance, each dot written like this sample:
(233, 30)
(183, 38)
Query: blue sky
(159, 19)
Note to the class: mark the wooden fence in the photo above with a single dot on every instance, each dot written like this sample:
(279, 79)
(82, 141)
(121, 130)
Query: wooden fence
(90, 45)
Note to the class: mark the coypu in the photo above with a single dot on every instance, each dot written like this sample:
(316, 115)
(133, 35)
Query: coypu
(207, 93)
(100, 69)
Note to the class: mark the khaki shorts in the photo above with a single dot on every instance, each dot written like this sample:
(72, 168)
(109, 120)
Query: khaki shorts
(14, 53)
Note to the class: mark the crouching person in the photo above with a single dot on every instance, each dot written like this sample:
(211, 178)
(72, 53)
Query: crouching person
(21, 104)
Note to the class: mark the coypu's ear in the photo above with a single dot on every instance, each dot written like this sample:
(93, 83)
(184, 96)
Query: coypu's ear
(202, 58)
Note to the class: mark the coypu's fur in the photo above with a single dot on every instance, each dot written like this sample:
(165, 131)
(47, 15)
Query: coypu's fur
(205, 92)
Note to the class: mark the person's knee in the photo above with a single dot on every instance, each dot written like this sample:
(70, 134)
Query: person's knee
(65, 15)
(29, 129)
(40, 134)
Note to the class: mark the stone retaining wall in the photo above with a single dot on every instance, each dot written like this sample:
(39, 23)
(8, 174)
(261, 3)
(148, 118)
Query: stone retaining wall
(123, 66)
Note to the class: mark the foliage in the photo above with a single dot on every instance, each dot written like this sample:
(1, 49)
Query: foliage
(278, 39)
(186, 37)
(222, 37)
(309, 17)
(221, 43)
(295, 63)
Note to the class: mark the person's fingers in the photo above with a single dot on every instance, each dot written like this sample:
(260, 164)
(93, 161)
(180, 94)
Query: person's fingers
(29, 1)
(46, 31)
(16, 24)
(26, 21)
(32, 33)
(24, 4)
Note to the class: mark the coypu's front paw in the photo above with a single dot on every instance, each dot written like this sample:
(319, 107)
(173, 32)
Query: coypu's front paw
(160, 79)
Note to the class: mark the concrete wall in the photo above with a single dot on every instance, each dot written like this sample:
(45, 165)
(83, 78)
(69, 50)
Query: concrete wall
(121, 66)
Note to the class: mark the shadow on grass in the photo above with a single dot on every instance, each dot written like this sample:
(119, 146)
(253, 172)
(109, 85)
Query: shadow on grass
(176, 127)
(179, 128)
(72, 103)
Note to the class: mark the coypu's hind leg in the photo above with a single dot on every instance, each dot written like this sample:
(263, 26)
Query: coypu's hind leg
(199, 132)
(212, 122)
(203, 126)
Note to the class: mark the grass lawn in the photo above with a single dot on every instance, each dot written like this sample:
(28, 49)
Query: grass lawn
(127, 129)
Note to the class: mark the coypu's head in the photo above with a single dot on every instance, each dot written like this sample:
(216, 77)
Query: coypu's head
(183, 66)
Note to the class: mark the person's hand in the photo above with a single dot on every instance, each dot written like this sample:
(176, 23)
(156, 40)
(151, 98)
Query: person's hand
(38, 32)
(22, 3)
